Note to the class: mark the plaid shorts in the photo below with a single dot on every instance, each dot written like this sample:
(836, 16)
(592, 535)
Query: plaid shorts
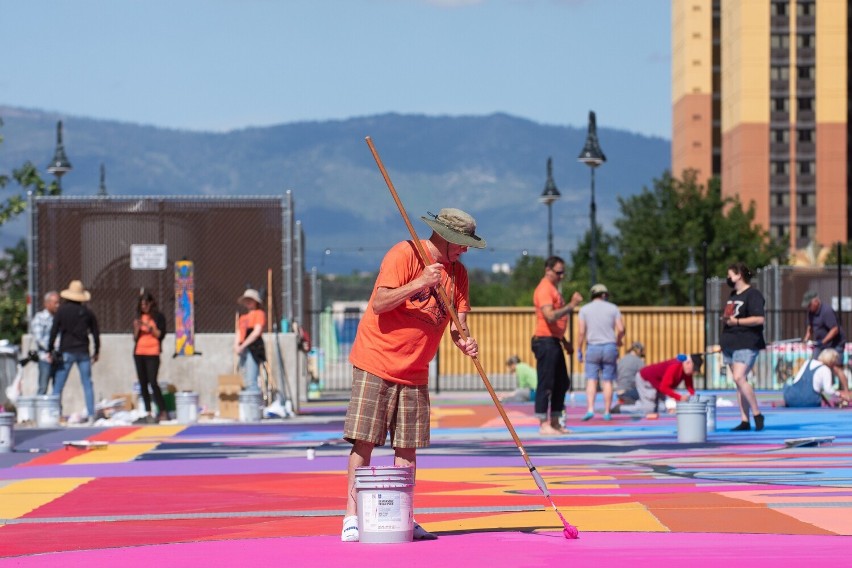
(378, 406)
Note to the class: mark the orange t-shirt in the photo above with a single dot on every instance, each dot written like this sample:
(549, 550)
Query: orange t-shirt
(547, 294)
(399, 344)
(249, 320)
(147, 344)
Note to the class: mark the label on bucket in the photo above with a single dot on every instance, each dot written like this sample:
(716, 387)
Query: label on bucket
(386, 511)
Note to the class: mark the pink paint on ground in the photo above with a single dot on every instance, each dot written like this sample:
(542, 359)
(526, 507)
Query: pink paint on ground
(493, 549)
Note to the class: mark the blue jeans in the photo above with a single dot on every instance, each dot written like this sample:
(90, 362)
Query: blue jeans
(46, 373)
(251, 370)
(84, 366)
(602, 361)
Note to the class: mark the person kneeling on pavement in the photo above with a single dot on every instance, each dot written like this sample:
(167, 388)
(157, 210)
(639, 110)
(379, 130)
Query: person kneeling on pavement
(814, 382)
(656, 382)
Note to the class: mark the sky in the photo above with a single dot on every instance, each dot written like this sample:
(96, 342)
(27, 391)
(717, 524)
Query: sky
(219, 65)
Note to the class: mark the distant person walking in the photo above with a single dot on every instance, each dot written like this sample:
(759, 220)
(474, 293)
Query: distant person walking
(601, 327)
(548, 343)
(73, 323)
(742, 339)
(40, 328)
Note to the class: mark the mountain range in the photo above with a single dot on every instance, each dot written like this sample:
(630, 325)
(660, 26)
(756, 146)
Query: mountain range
(494, 167)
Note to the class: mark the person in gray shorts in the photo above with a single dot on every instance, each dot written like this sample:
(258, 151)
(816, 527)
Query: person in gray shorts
(601, 327)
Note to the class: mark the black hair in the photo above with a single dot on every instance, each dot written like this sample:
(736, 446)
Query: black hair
(152, 303)
(741, 269)
(553, 261)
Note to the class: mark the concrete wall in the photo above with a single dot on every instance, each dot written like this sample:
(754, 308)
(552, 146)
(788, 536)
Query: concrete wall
(115, 372)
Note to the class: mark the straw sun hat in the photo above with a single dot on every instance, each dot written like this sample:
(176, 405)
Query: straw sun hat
(456, 227)
(251, 294)
(76, 292)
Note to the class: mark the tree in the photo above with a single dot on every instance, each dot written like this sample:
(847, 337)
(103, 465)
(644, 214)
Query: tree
(13, 288)
(658, 228)
(13, 263)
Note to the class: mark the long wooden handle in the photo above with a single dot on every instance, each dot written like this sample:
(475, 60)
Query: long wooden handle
(426, 259)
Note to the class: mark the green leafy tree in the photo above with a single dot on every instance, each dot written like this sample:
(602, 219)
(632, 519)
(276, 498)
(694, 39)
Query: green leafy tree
(657, 230)
(13, 287)
(13, 263)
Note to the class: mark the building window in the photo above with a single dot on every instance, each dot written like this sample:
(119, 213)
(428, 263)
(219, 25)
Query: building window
(779, 168)
(806, 72)
(804, 41)
(805, 9)
(807, 199)
(779, 8)
(781, 199)
(779, 41)
(779, 231)
(806, 135)
(807, 231)
(779, 73)
(780, 104)
(780, 135)
(804, 167)
(805, 103)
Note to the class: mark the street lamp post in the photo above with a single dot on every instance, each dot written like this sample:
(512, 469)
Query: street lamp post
(691, 270)
(60, 165)
(665, 282)
(592, 156)
(548, 196)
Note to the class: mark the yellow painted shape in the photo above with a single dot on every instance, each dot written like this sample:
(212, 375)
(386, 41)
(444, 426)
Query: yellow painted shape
(114, 453)
(444, 411)
(499, 481)
(624, 517)
(153, 433)
(21, 497)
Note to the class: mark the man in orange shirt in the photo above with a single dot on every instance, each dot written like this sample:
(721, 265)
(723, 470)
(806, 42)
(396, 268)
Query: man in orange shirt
(397, 338)
(551, 320)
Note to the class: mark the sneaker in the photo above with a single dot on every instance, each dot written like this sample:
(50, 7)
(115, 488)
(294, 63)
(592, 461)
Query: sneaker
(607, 416)
(422, 534)
(588, 416)
(350, 529)
(744, 426)
(758, 422)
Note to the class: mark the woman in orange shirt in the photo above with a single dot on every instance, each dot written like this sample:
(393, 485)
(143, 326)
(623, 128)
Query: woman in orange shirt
(248, 344)
(149, 328)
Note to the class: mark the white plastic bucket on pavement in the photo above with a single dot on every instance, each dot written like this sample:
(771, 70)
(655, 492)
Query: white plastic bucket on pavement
(186, 407)
(384, 500)
(691, 422)
(7, 432)
(47, 409)
(26, 406)
(251, 404)
(710, 399)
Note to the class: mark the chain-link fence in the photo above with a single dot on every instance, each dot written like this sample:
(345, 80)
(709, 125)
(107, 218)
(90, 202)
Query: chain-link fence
(233, 242)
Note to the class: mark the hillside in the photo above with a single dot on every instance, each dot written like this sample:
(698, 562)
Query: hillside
(492, 166)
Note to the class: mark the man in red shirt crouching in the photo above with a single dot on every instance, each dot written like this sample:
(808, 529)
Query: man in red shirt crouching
(658, 381)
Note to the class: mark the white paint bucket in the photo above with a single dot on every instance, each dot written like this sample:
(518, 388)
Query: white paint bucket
(186, 407)
(7, 432)
(251, 403)
(47, 410)
(710, 399)
(26, 406)
(691, 422)
(384, 500)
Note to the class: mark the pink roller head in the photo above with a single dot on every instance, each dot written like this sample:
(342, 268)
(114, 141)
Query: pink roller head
(571, 532)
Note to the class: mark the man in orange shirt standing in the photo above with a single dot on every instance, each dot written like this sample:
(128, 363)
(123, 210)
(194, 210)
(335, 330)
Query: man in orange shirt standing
(397, 337)
(551, 320)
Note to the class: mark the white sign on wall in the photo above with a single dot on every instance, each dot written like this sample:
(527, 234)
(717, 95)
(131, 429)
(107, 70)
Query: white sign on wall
(147, 257)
